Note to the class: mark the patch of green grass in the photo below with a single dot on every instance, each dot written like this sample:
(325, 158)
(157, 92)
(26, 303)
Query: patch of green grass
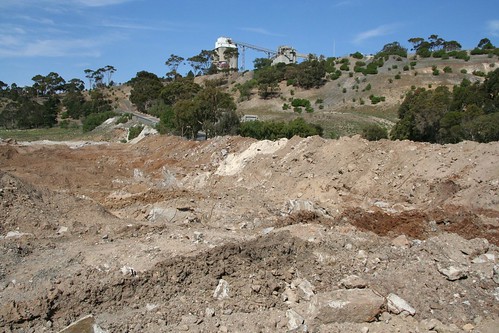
(53, 134)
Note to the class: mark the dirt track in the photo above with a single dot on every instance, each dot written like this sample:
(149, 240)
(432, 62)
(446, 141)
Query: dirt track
(141, 235)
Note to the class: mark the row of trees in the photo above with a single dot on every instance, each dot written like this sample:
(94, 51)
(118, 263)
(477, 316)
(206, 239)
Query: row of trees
(52, 96)
(469, 112)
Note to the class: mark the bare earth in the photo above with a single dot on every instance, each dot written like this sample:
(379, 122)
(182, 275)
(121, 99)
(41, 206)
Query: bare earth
(237, 235)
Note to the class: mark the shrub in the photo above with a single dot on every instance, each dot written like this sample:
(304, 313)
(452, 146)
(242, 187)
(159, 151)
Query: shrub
(345, 67)
(464, 71)
(285, 106)
(447, 69)
(374, 132)
(297, 109)
(124, 118)
(319, 101)
(95, 119)
(357, 55)
(300, 102)
(406, 68)
(479, 73)
(344, 90)
(134, 131)
(368, 87)
(397, 77)
(436, 72)
(376, 99)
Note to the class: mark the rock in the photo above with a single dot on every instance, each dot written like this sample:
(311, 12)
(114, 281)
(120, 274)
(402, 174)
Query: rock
(198, 237)
(350, 305)
(353, 282)
(495, 275)
(468, 327)
(267, 230)
(305, 290)
(209, 312)
(84, 325)
(222, 290)
(127, 270)
(401, 241)
(398, 305)
(16, 234)
(158, 214)
(484, 258)
(453, 273)
(62, 230)
(294, 206)
(294, 319)
(364, 329)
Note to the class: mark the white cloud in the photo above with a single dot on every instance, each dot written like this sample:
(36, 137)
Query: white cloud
(493, 27)
(382, 30)
(53, 48)
(261, 31)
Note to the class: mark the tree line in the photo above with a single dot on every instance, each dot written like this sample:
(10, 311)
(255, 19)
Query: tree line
(469, 112)
(51, 98)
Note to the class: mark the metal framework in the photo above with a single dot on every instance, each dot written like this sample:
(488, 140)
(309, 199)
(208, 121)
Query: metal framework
(243, 47)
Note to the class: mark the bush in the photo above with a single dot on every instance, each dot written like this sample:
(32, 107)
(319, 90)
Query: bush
(464, 71)
(134, 131)
(357, 55)
(447, 69)
(124, 118)
(374, 132)
(95, 119)
(376, 99)
(397, 77)
(406, 68)
(300, 102)
(479, 73)
(345, 67)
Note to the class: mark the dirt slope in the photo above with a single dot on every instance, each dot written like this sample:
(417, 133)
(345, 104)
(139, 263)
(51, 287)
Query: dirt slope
(238, 235)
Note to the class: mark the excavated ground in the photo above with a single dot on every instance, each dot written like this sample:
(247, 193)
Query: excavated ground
(237, 235)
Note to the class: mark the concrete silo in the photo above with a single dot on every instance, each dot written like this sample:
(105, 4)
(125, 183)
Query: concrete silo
(226, 54)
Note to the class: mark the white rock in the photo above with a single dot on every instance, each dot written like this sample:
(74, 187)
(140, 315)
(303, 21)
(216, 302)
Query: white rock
(222, 290)
(453, 273)
(294, 319)
(305, 290)
(398, 305)
(127, 270)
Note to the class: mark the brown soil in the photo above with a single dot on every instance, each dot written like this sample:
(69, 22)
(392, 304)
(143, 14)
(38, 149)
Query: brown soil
(140, 235)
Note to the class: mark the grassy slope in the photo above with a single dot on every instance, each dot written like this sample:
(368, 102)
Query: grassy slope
(343, 113)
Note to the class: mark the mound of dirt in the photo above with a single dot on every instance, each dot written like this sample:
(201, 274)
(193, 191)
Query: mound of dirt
(236, 235)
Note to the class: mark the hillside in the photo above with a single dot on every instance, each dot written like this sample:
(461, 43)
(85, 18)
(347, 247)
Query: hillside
(346, 112)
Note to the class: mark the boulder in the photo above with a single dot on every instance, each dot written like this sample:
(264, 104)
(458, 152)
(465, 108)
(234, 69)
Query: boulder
(222, 290)
(398, 305)
(84, 325)
(350, 305)
(453, 273)
(353, 282)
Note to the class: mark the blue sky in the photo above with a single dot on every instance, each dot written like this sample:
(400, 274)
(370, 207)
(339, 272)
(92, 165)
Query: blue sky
(69, 36)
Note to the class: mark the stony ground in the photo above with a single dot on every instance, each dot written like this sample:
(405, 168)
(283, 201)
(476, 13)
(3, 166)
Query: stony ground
(238, 235)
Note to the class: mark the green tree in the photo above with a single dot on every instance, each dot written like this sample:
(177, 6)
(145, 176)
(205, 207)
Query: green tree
(201, 63)
(393, 48)
(146, 88)
(173, 63)
(374, 132)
